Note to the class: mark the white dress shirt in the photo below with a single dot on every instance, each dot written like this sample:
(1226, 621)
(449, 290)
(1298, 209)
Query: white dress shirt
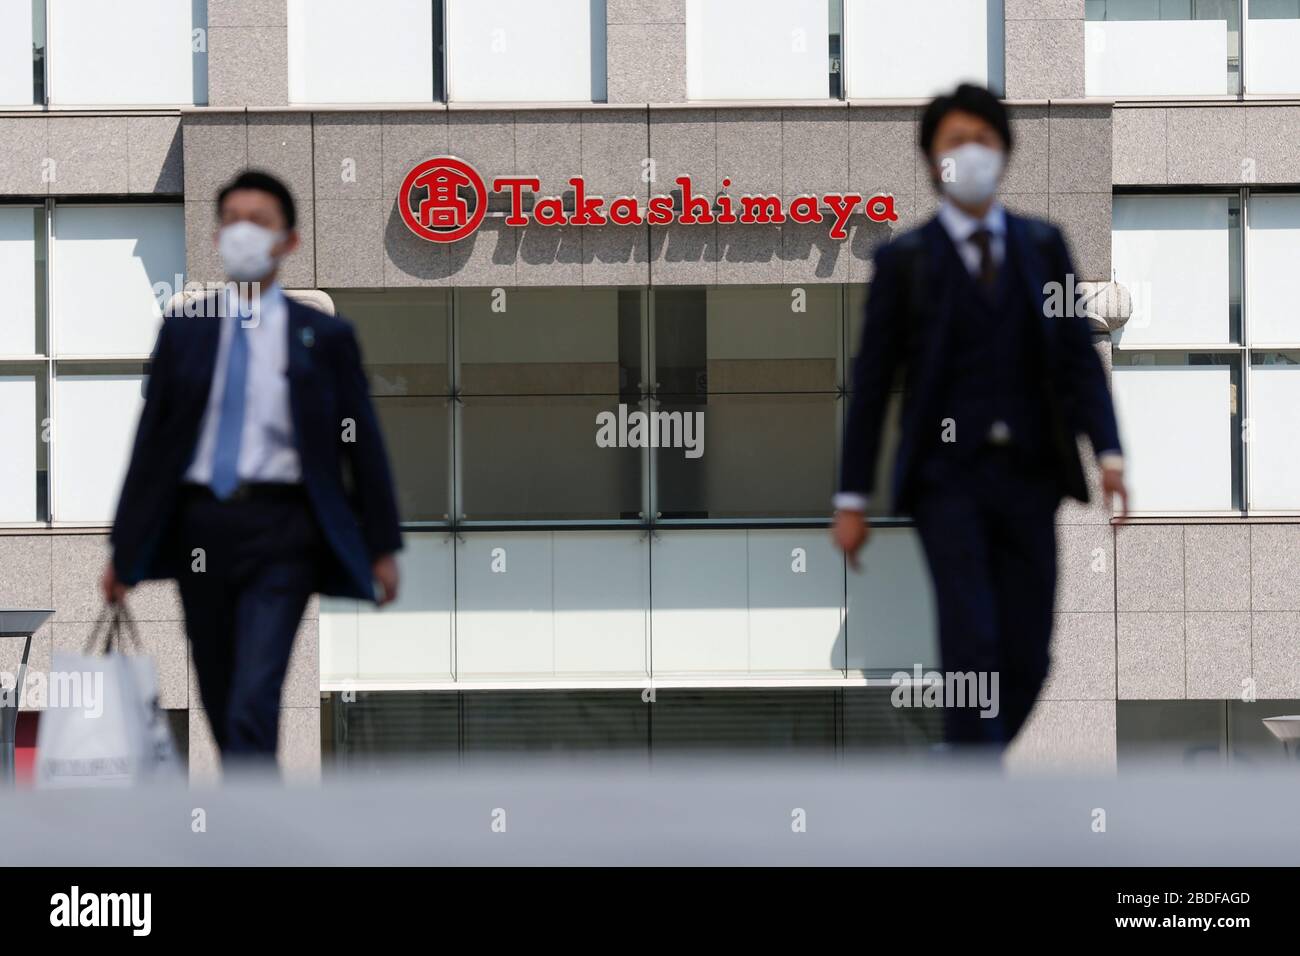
(961, 226)
(266, 447)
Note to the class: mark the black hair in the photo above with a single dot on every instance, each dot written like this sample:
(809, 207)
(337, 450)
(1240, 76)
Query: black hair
(967, 98)
(263, 183)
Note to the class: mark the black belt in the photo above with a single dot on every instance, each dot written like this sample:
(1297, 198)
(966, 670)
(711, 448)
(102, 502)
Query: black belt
(248, 491)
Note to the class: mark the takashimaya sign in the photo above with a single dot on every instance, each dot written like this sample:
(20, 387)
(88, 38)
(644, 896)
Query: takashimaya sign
(445, 200)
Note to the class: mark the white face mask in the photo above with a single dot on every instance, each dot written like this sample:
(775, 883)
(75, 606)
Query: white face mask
(245, 249)
(970, 173)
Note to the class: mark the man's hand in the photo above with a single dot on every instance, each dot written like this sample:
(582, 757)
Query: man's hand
(850, 532)
(114, 590)
(384, 570)
(1112, 484)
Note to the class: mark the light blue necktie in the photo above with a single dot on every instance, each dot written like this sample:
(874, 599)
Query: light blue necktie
(230, 426)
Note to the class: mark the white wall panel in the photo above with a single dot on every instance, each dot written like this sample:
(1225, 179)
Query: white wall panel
(1274, 448)
(18, 280)
(1172, 253)
(522, 50)
(16, 53)
(891, 621)
(887, 55)
(757, 49)
(699, 615)
(1271, 62)
(1274, 310)
(1156, 57)
(18, 439)
(1176, 425)
(796, 620)
(96, 417)
(342, 51)
(602, 601)
(410, 639)
(106, 261)
(125, 52)
(504, 619)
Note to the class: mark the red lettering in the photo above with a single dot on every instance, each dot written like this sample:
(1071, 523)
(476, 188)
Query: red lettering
(761, 209)
(878, 215)
(549, 212)
(623, 212)
(804, 209)
(586, 209)
(516, 185)
(660, 212)
(691, 203)
(842, 206)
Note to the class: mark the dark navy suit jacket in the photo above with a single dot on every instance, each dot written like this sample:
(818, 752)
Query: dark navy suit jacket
(920, 288)
(348, 482)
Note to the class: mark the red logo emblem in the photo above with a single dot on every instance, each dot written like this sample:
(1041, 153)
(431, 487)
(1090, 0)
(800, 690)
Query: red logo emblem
(442, 213)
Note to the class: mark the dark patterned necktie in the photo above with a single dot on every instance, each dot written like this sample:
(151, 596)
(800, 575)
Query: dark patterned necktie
(988, 273)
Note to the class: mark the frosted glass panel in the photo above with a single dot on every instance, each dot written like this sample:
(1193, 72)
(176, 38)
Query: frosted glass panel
(410, 639)
(757, 49)
(342, 51)
(18, 226)
(1173, 254)
(1273, 447)
(602, 599)
(18, 439)
(887, 55)
(1156, 57)
(106, 262)
(1271, 62)
(505, 624)
(891, 623)
(97, 416)
(522, 50)
(1176, 425)
(127, 52)
(16, 53)
(796, 600)
(699, 617)
(1271, 266)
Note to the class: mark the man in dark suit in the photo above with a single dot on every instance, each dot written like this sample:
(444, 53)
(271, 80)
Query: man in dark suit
(259, 474)
(975, 310)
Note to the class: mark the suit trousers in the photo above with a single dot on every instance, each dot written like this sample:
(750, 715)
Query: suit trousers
(988, 530)
(249, 567)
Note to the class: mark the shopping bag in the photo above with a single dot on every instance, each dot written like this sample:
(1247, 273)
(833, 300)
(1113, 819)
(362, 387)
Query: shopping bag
(102, 725)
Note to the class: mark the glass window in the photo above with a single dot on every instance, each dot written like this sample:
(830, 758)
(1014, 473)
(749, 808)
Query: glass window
(128, 52)
(1179, 256)
(1180, 419)
(381, 51)
(403, 337)
(750, 376)
(1272, 38)
(22, 409)
(22, 276)
(22, 30)
(1274, 238)
(887, 55)
(550, 388)
(522, 50)
(97, 407)
(1162, 47)
(107, 260)
(1272, 429)
(757, 49)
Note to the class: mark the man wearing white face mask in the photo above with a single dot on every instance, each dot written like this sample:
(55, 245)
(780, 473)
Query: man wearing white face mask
(258, 476)
(997, 387)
